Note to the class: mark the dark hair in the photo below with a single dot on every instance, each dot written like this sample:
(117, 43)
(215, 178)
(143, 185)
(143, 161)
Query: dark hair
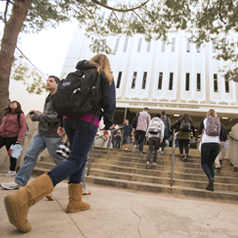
(158, 115)
(186, 118)
(163, 113)
(16, 111)
(146, 108)
(57, 80)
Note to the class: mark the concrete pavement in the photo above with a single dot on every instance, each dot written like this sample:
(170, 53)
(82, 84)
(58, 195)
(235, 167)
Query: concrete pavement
(117, 213)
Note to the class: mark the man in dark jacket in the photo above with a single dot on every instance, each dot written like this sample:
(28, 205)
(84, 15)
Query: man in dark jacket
(45, 137)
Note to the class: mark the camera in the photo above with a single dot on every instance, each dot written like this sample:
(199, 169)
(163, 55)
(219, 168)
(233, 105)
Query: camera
(31, 112)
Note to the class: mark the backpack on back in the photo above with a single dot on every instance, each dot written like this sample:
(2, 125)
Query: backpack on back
(185, 126)
(155, 126)
(135, 120)
(78, 93)
(213, 126)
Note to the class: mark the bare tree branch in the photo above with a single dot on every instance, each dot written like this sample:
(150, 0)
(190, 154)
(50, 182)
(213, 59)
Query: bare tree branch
(138, 16)
(85, 8)
(5, 12)
(220, 16)
(115, 15)
(119, 10)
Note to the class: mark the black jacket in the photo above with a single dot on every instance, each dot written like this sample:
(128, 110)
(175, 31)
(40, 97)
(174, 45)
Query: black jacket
(223, 133)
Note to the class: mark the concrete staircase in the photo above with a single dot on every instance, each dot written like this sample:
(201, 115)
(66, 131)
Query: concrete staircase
(125, 169)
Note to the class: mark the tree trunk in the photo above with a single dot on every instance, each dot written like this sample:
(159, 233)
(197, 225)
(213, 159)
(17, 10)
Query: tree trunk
(9, 41)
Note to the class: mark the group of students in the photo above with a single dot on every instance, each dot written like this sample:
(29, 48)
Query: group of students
(18, 203)
(157, 131)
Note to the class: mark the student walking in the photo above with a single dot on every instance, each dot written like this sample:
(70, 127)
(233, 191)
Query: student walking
(212, 133)
(81, 137)
(45, 137)
(12, 131)
(184, 125)
(141, 127)
(155, 135)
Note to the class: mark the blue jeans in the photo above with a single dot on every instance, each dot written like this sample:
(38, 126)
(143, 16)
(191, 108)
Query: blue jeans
(38, 144)
(209, 152)
(81, 140)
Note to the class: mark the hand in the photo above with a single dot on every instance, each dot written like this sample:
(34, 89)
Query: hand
(61, 131)
(106, 133)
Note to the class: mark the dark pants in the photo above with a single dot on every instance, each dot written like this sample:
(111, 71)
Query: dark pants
(154, 142)
(8, 141)
(118, 141)
(139, 139)
(183, 143)
(209, 152)
(81, 140)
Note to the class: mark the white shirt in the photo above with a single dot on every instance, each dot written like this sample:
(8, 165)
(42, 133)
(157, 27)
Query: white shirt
(206, 138)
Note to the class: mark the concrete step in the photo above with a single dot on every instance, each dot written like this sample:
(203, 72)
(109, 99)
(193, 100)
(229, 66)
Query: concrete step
(158, 188)
(161, 180)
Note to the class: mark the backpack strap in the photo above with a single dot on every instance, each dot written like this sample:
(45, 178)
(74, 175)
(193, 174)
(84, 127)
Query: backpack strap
(18, 118)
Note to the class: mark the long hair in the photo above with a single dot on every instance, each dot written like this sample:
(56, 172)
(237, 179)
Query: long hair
(104, 65)
(212, 113)
(186, 118)
(16, 111)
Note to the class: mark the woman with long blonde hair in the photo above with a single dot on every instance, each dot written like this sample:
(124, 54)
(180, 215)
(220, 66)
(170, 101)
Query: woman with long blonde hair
(81, 138)
(210, 144)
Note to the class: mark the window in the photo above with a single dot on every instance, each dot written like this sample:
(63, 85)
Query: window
(117, 44)
(188, 45)
(213, 47)
(163, 46)
(144, 80)
(227, 86)
(198, 82)
(139, 45)
(148, 46)
(119, 79)
(215, 83)
(187, 82)
(171, 75)
(126, 44)
(160, 80)
(173, 45)
(133, 84)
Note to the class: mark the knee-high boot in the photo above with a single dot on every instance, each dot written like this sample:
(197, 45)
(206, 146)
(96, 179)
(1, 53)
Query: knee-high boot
(18, 203)
(75, 198)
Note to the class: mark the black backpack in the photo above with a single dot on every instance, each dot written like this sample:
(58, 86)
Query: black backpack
(135, 120)
(185, 126)
(78, 93)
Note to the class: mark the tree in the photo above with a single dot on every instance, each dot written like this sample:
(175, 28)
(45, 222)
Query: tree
(206, 20)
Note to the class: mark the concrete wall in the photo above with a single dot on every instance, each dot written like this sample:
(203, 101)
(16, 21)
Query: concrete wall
(233, 147)
(4, 158)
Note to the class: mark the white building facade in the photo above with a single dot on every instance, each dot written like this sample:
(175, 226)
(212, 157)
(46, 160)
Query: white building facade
(177, 77)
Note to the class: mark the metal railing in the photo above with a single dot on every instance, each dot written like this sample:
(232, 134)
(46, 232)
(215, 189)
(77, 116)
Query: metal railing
(233, 138)
(109, 146)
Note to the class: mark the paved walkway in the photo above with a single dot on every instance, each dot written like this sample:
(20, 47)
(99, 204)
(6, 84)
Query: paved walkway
(117, 213)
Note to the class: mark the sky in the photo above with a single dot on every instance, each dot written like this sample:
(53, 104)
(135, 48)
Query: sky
(47, 51)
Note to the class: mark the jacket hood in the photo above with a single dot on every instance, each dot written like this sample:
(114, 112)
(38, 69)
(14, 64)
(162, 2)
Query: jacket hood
(86, 64)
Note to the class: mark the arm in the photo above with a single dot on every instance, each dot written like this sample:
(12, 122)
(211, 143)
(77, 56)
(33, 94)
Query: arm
(49, 117)
(22, 123)
(201, 127)
(223, 134)
(162, 133)
(108, 102)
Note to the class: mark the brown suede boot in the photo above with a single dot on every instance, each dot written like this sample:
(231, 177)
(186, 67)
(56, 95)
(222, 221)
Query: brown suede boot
(75, 198)
(18, 203)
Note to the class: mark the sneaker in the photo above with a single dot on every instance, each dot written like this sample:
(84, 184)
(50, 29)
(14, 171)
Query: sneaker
(140, 152)
(147, 164)
(154, 164)
(125, 148)
(10, 173)
(11, 186)
(134, 148)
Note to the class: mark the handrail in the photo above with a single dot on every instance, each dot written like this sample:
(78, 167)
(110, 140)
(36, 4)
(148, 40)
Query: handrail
(109, 147)
(172, 159)
(233, 138)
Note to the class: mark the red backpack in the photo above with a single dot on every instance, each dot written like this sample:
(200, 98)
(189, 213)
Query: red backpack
(213, 127)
